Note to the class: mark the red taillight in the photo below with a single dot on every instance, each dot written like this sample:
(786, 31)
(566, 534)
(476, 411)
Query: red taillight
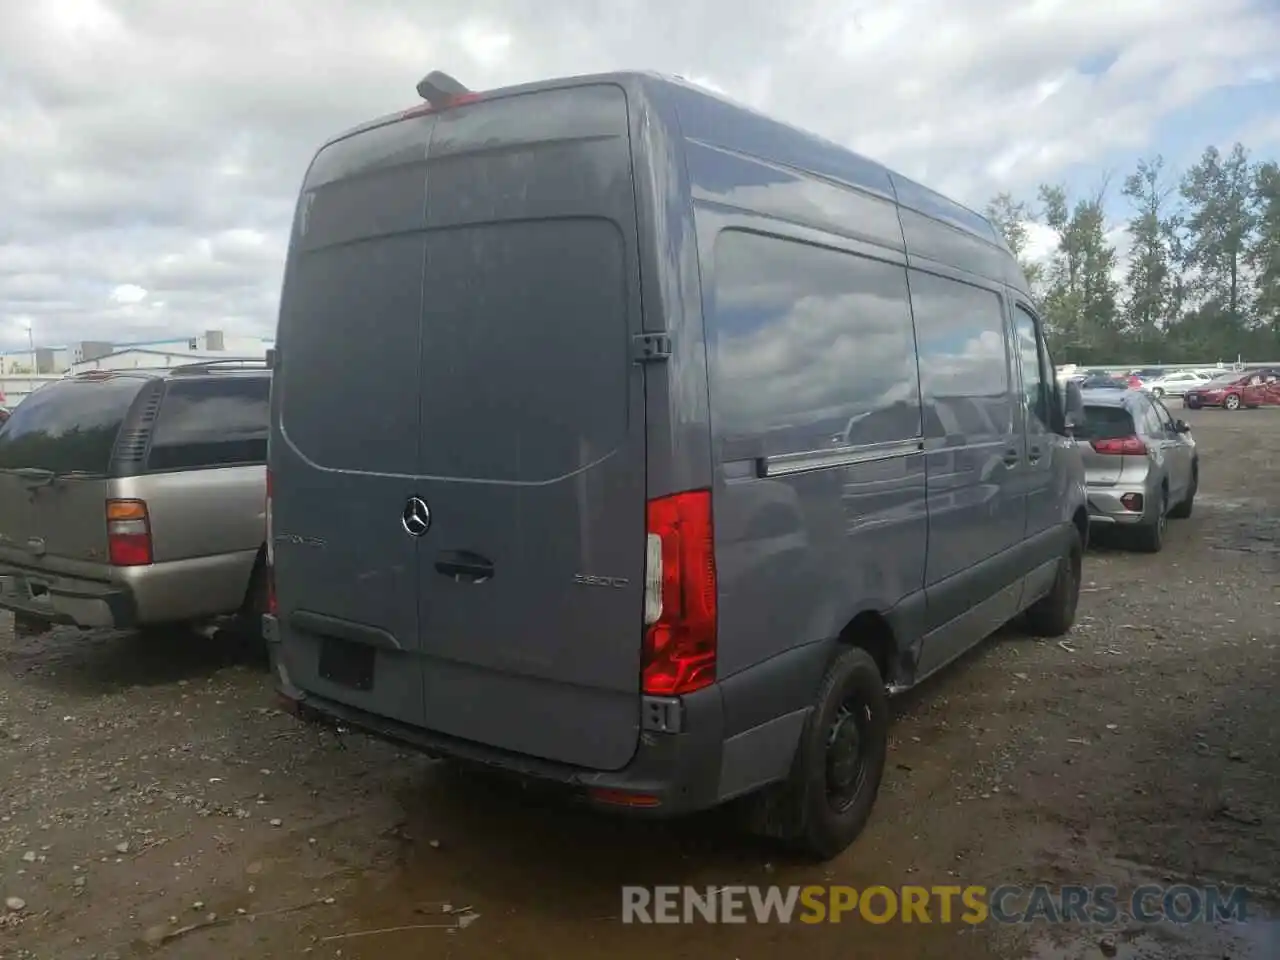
(1121, 446)
(271, 555)
(623, 798)
(680, 595)
(128, 533)
(427, 108)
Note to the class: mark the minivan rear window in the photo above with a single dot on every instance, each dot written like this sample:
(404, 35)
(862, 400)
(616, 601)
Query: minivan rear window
(1105, 423)
(68, 426)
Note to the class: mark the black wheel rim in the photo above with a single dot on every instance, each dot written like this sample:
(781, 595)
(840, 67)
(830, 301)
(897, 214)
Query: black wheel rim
(848, 742)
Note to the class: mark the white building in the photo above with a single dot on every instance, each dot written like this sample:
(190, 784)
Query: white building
(16, 366)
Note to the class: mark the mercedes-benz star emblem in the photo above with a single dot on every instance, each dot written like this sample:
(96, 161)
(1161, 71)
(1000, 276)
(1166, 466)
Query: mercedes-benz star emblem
(416, 518)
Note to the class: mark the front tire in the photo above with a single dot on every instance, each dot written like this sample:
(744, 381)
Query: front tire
(835, 776)
(1054, 614)
(1231, 402)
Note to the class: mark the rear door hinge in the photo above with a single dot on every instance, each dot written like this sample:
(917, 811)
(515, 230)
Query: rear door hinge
(651, 347)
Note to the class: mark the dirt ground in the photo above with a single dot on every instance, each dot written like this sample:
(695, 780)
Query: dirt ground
(147, 789)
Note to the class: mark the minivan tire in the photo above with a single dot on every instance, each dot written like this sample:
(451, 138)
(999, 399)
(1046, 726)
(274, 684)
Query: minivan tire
(1054, 614)
(850, 713)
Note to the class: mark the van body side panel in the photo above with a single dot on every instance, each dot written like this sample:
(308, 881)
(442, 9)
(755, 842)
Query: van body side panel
(820, 487)
(977, 513)
(677, 419)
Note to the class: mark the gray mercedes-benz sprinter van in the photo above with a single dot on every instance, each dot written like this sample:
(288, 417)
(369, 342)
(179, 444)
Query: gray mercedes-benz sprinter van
(674, 440)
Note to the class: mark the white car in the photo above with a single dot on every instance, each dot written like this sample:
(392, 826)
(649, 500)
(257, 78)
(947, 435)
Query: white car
(1175, 383)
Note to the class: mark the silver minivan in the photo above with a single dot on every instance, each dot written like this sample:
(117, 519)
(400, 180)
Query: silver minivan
(675, 441)
(134, 499)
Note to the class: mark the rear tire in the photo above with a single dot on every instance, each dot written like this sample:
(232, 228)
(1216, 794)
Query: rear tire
(1054, 614)
(1150, 537)
(824, 804)
(1183, 510)
(1157, 392)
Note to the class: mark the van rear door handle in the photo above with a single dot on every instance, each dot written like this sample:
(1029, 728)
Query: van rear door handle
(465, 565)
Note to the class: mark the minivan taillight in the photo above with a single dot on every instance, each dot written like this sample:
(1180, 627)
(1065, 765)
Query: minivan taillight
(271, 555)
(1121, 446)
(680, 595)
(128, 533)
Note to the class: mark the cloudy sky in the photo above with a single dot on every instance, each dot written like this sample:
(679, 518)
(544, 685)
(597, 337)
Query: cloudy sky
(150, 150)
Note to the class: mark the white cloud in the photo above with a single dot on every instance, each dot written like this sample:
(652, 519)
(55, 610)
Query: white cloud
(156, 145)
(128, 293)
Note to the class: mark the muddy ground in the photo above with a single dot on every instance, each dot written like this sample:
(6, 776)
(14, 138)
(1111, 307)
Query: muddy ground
(146, 789)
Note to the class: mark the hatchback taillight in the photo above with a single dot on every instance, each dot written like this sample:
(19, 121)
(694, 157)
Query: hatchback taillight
(680, 595)
(1121, 446)
(128, 533)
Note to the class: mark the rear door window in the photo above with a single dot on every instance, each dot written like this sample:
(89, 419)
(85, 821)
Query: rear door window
(1105, 423)
(68, 426)
(215, 422)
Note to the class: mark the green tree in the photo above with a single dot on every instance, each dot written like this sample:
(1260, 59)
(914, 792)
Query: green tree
(1081, 292)
(1264, 251)
(1152, 298)
(1219, 228)
(1011, 217)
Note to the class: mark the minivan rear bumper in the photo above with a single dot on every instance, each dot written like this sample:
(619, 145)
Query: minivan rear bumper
(671, 773)
(59, 599)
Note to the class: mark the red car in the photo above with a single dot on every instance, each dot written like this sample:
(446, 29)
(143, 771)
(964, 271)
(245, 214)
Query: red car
(1235, 390)
(4, 415)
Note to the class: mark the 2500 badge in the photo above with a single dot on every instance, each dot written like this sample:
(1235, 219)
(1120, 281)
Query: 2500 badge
(587, 580)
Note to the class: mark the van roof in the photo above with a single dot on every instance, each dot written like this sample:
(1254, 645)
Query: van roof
(720, 121)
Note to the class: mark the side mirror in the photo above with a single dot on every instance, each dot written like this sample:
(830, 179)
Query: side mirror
(1181, 426)
(1073, 406)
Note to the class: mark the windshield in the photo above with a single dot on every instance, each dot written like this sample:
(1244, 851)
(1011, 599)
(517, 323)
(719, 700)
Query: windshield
(68, 426)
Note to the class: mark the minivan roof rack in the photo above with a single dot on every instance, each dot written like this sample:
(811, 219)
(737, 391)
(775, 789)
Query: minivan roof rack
(233, 362)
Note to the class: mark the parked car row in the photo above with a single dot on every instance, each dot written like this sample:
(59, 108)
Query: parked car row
(1209, 387)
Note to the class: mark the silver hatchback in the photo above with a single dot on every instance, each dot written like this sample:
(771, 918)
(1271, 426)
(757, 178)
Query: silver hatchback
(1141, 465)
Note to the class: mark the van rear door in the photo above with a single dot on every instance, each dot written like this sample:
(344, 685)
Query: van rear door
(532, 429)
(344, 444)
(55, 453)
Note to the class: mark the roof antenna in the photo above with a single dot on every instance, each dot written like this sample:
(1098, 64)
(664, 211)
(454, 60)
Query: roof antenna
(439, 89)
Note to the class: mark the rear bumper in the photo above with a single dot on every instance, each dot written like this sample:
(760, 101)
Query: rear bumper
(59, 599)
(1106, 508)
(670, 775)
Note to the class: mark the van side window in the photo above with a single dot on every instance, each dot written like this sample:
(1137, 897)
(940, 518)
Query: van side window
(1037, 376)
(964, 360)
(221, 421)
(809, 346)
